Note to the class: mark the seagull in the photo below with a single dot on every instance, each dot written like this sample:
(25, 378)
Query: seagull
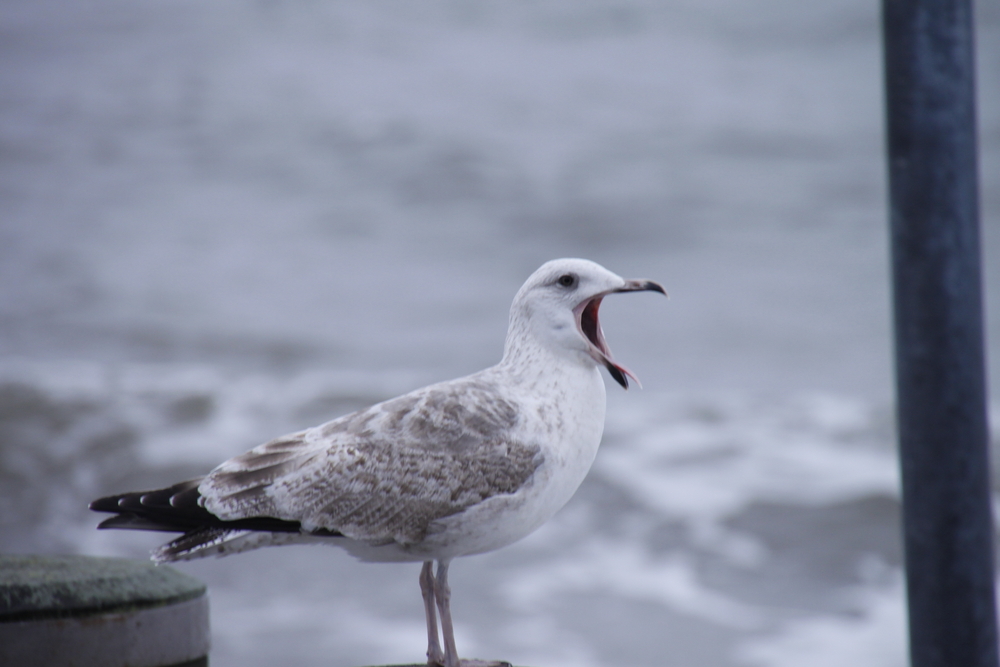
(453, 469)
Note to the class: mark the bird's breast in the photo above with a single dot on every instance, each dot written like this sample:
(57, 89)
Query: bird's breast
(565, 418)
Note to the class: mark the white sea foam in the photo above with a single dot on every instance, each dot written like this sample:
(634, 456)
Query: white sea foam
(707, 459)
(626, 570)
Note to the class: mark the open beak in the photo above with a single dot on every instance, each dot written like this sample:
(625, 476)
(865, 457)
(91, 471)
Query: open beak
(590, 326)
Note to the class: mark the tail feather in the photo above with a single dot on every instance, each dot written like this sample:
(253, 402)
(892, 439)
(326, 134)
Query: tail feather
(222, 542)
(195, 543)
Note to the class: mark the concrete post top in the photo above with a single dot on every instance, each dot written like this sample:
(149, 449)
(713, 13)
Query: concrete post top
(37, 587)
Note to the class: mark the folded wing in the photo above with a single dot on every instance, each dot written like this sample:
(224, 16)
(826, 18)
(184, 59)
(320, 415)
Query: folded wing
(380, 475)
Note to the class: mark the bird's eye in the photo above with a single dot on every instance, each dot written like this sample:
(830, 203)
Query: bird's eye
(567, 280)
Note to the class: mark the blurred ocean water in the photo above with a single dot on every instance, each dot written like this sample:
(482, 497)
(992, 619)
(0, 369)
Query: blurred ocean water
(222, 222)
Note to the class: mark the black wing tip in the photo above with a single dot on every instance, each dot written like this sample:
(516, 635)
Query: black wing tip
(177, 509)
(154, 510)
(106, 504)
(150, 500)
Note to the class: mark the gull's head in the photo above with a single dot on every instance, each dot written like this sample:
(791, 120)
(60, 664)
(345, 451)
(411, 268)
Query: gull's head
(558, 306)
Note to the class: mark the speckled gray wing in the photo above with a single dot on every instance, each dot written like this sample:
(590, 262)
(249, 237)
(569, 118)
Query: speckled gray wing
(383, 474)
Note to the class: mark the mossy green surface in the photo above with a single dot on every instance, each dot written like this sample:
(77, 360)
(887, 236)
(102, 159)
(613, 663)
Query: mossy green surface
(33, 587)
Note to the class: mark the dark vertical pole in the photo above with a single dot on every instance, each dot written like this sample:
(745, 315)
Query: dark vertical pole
(939, 332)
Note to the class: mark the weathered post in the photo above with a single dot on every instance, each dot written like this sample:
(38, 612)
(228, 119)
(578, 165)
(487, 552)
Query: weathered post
(941, 385)
(76, 611)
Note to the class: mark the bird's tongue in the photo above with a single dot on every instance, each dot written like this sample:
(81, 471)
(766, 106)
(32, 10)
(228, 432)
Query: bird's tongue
(590, 326)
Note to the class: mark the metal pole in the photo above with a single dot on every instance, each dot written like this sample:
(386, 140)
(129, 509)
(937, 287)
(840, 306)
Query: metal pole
(941, 386)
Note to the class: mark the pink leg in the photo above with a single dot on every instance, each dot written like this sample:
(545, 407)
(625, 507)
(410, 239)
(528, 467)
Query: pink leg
(442, 593)
(434, 654)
